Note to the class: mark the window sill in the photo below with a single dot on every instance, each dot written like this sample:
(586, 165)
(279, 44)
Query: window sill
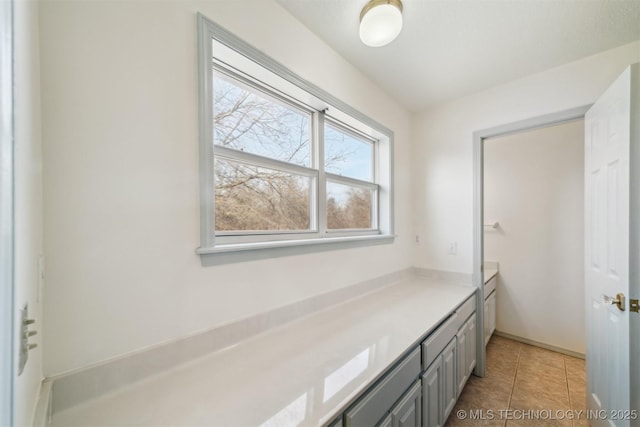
(231, 253)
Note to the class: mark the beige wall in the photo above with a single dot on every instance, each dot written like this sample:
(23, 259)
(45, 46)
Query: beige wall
(28, 198)
(533, 186)
(442, 157)
(121, 177)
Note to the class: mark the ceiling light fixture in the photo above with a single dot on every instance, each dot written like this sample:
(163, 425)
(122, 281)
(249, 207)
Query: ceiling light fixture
(380, 22)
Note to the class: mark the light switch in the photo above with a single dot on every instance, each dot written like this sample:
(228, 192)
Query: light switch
(453, 248)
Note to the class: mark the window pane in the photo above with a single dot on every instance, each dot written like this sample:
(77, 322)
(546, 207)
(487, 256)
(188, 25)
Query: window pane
(252, 121)
(347, 155)
(251, 198)
(348, 207)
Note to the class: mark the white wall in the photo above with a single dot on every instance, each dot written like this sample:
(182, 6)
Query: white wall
(442, 167)
(28, 199)
(121, 177)
(533, 186)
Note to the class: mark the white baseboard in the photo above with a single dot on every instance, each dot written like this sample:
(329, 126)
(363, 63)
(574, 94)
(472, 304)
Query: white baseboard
(540, 344)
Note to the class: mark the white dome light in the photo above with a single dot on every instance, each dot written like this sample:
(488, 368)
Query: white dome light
(380, 22)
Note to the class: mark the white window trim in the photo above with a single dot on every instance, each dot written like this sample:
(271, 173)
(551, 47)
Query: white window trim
(265, 244)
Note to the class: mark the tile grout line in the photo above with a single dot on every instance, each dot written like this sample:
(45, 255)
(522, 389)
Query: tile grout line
(566, 379)
(513, 384)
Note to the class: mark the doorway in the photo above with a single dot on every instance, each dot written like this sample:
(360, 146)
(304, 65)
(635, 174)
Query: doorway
(479, 139)
(534, 231)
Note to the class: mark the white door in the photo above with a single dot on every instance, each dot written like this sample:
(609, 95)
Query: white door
(607, 252)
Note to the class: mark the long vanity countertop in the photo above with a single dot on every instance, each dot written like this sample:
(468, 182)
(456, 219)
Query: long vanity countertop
(489, 273)
(302, 373)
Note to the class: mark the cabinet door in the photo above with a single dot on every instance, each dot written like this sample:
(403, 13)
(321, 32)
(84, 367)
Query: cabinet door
(466, 351)
(387, 422)
(432, 403)
(470, 346)
(487, 321)
(375, 403)
(492, 313)
(449, 378)
(462, 340)
(408, 412)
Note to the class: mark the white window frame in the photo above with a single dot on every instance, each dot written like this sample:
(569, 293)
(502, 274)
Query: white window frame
(220, 49)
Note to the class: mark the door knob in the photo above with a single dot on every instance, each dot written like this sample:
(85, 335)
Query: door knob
(619, 300)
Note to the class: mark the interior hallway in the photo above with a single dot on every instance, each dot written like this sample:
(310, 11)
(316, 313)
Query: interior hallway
(521, 382)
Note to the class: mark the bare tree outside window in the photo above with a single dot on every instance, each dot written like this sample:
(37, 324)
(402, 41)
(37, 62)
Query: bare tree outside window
(348, 207)
(251, 198)
(346, 154)
(257, 198)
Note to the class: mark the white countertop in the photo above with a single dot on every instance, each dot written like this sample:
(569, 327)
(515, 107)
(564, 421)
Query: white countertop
(302, 373)
(489, 273)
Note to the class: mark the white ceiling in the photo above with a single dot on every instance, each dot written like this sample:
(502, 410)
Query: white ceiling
(451, 48)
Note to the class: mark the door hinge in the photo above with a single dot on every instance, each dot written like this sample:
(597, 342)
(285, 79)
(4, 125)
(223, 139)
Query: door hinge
(634, 306)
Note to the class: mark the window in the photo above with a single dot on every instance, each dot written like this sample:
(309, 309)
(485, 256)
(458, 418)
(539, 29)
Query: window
(283, 163)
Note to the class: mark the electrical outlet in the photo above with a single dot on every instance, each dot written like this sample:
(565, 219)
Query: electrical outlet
(417, 239)
(453, 248)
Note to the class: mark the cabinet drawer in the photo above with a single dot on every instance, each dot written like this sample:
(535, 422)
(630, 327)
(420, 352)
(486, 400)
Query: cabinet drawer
(439, 339)
(466, 309)
(490, 286)
(378, 401)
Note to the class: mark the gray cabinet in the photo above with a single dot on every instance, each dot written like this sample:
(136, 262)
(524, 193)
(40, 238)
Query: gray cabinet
(451, 364)
(422, 389)
(387, 422)
(436, 342)
(466, 341)
(461, 337)
(489, 309)
(432, 396)
(449, 378)
(408, 412)
(471, 352)
(439, 387)
(375, 404)
(489, 316)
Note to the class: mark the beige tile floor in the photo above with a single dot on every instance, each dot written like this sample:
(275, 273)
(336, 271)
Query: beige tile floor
(524, 386)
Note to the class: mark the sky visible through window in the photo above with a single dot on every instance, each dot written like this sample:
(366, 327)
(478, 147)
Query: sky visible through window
(249, 197)
(347, 155)
(248, 120)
